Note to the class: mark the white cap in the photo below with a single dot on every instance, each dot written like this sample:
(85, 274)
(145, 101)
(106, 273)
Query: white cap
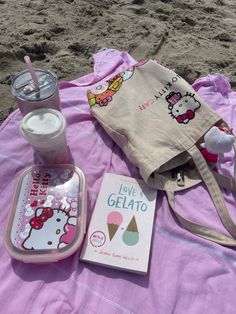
(44, 129)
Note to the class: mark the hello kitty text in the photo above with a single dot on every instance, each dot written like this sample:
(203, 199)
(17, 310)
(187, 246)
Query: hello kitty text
(181, 107)
(167, 87)
(160, 93)
(40, 184)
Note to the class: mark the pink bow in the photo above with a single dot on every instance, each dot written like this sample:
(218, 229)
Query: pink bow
(37, 222)
(188, 115)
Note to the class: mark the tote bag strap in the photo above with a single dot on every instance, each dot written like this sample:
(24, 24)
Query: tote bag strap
(210, 180)
(198, 229)
(226, 182)
(214, 189)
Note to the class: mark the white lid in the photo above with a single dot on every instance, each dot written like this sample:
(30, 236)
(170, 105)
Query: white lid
(44, 128)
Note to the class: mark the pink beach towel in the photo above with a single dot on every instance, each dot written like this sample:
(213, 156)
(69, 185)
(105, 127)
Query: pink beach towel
(187, 274)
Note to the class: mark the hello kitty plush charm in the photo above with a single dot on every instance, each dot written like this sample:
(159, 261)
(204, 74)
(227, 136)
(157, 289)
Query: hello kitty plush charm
(48, 216)
(217, 141)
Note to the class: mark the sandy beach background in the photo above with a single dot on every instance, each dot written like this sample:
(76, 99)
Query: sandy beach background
(195, 37)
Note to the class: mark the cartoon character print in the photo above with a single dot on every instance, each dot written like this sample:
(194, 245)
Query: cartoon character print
(182, 108)
(48, 229)
(102, 94)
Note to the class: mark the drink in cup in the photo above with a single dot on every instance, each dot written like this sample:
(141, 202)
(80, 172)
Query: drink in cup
(35, 89)
(45, 130)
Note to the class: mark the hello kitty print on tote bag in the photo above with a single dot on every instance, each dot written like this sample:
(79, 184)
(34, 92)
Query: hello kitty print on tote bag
(159, 121)
(182, 108)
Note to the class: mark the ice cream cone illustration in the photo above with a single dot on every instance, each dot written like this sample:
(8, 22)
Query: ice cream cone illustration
(114, 220)
(131, 234)
(132, 226)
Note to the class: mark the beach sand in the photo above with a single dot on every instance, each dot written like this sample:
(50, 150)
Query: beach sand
(194, 37)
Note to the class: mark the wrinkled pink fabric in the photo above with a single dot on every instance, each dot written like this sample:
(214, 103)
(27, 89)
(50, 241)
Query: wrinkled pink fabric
(187, 274)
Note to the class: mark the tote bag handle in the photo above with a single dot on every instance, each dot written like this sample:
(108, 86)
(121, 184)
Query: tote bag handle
(226, 182)
(198, 229)
(217, 198)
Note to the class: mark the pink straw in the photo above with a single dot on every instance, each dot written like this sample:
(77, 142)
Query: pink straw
(32, 72)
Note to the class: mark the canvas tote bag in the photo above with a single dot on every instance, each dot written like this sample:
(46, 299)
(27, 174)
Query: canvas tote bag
(158, 120)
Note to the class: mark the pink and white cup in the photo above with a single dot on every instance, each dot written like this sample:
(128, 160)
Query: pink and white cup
(45, 130)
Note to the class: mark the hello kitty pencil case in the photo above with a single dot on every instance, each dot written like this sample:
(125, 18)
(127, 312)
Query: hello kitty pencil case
(47, 220)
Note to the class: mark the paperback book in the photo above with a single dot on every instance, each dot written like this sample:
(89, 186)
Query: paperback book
(120, 230)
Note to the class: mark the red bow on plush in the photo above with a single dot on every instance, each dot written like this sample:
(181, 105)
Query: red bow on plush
(188, 115)
(37, 222)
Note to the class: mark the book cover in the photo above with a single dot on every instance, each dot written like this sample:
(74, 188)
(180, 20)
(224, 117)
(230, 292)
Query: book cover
(120, 231)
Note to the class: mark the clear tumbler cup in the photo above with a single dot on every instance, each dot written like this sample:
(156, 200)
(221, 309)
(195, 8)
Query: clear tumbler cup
(30, 97)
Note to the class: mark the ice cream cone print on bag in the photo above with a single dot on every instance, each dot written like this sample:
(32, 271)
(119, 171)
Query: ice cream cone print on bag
(114, 220)
(131, 234)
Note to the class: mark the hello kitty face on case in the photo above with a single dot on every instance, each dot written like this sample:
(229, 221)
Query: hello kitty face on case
(182, 108)
(47, 227)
